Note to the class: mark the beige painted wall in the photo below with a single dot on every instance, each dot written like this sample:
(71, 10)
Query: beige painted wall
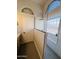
(39, 41)
(19, 20)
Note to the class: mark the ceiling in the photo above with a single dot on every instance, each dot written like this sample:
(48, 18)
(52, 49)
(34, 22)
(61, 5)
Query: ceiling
(42, 3)
(37, 6)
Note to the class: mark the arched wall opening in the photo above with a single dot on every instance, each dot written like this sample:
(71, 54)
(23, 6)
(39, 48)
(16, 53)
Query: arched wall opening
(26, 23)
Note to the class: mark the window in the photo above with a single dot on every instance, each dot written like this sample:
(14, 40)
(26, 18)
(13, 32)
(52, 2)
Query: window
(52, 25)
(53, 17)
(53, 5)
(39, 24)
